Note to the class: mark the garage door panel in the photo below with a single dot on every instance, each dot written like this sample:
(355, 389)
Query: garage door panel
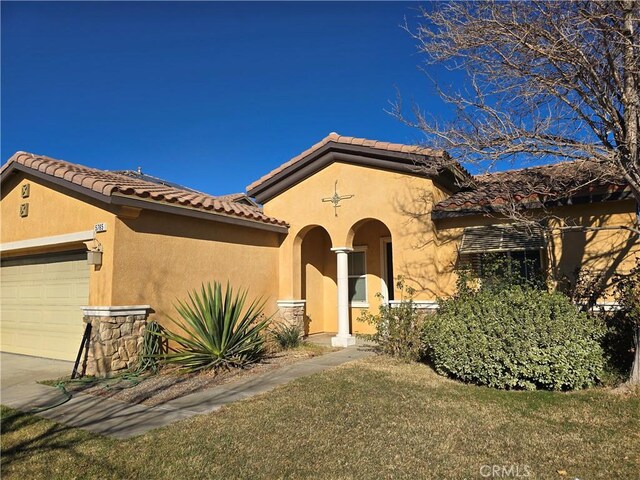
(10, 291)
(30, 293)
(41, 299)
(62, 291)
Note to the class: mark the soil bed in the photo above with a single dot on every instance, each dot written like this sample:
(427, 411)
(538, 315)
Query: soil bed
(170, 383)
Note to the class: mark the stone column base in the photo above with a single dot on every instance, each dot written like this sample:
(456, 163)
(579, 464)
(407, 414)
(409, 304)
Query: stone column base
(292, 312)
(116, 338)
(344, 342)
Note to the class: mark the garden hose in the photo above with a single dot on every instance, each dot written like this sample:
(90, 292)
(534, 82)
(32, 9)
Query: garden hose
(64, 391)
(152, 349)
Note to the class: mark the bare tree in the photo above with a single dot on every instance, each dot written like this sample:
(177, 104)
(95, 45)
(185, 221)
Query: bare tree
(547, 81)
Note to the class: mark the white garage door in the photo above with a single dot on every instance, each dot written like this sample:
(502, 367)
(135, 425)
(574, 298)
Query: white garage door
(40, 300)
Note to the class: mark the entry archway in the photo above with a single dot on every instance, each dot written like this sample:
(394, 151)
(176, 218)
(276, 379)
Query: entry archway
(371, 272)
(317, 280)
(374, 238)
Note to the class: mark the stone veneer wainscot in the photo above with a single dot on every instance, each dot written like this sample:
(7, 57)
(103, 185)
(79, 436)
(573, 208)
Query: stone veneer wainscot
(292, 312)
(116, 337)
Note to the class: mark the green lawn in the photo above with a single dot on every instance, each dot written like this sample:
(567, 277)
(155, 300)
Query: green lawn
(375, 418)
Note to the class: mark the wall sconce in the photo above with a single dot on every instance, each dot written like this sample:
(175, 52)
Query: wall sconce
(94, 258)
(94, 254)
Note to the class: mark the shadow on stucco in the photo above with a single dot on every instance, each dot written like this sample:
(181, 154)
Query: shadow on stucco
(600, 253)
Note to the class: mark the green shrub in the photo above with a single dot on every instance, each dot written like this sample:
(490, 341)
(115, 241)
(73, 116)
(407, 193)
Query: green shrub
(218, 331)
(515, 337)
(626, 324)
(287, 335)
(398, 327)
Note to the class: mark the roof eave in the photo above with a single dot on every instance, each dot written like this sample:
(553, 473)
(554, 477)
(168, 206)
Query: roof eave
(13, 167)
(337, 152)
(128, 201)
(609, 196)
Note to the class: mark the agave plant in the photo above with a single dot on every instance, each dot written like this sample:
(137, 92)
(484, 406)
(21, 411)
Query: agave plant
(216, 331)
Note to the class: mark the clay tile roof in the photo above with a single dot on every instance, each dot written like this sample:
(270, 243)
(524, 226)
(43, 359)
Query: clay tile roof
(136, 185)
(529, 187)
(333, 137)
(240, 198)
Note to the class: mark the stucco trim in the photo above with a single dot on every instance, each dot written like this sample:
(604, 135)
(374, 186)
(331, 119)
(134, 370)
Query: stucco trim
(290, 303)
(189, 212)
(356, 155)
(420, 304)
(342, 249)
(433, 305)
(48, 241)
(607, 306)
(115, 311)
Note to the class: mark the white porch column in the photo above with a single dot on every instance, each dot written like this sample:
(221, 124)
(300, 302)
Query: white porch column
(343, 338)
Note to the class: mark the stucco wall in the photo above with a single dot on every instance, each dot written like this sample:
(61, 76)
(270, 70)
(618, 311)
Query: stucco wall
(424, 252)
(318, 281)
(152, 259)
(57, 211)
(598, 251)
(161, 257)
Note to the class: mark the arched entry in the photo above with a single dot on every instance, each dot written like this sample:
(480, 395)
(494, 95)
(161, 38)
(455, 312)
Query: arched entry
(317, 280)
(370, 269)
(373, 237)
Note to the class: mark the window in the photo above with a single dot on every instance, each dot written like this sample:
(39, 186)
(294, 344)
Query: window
(358, 277)
(522, 246)
(526, 264)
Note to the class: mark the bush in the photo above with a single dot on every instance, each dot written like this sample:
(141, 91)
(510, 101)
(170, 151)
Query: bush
(627, 323)
(287, 336)
(515, 337)
(216, 331)
(398, 327)
(621, 340)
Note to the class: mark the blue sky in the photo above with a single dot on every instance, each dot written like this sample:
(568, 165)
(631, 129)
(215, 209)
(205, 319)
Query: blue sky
(210, 95)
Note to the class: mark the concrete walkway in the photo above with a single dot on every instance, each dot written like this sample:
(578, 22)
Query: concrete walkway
(123, 420)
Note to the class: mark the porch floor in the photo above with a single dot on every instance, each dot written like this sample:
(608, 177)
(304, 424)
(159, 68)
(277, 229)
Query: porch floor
(324, 339)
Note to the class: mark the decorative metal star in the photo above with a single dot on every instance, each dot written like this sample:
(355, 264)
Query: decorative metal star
(335, 199)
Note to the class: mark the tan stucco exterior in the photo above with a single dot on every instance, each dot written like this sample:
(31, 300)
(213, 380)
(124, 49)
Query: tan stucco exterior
(608, 250)
(400, 202)
(160, 257)
(600, 252)
(152, 259)
(425, 252)
(54, 211)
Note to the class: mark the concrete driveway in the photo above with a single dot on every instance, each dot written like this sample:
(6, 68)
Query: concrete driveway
(18, 377)
(19, 389)
(16, 370)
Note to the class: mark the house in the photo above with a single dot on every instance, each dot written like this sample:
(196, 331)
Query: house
(318, 238)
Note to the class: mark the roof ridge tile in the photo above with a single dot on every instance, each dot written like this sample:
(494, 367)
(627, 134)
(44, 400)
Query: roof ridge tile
(340, 139)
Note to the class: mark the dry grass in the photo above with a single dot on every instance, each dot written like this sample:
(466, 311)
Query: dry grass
(375, 418)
